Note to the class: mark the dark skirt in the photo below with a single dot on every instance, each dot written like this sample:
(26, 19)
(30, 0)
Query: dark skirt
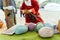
(30, 17)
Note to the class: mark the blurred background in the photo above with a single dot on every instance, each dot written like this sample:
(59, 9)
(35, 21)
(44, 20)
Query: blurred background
(49, 10)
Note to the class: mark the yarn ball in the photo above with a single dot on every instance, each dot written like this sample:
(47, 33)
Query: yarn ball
(31, 26)
(38, 26)
(48, 25)
(46, 32)
(19, 29)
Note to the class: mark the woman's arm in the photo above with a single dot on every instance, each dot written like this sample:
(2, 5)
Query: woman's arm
(35, 5)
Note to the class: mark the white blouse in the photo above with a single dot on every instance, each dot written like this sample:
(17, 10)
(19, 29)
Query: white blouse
(28, 3)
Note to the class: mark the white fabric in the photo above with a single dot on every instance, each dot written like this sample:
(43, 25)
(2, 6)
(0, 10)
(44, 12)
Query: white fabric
(4, 7)
(28, 3)
(2, 15)
(19, 19)
(9, 31)
(52, 7)
(46, 32)
(41, 1)
(10, 8)
(51, 17)
(18, 3)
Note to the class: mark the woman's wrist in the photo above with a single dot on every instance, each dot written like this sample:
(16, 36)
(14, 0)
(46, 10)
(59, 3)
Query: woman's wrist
(30, 10)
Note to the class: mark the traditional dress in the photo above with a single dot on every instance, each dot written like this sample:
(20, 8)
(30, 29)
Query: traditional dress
(32, 4)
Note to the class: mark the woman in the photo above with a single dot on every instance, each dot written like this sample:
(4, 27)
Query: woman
(30, 8)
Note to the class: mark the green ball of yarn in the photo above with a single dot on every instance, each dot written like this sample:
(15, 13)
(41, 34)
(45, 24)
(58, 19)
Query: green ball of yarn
(19, 29)
(38, 26)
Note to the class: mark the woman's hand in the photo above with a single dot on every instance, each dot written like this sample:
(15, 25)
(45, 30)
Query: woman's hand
(25, 11)
(32, 10)
(22, 11)
(28, 11)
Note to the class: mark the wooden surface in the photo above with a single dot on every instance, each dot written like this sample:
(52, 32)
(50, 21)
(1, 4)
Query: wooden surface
(59, 26)
(8, 14)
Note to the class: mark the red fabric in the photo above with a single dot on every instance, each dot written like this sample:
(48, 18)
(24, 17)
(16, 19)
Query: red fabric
(36, 21)
(34, 5)
(36, 8)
